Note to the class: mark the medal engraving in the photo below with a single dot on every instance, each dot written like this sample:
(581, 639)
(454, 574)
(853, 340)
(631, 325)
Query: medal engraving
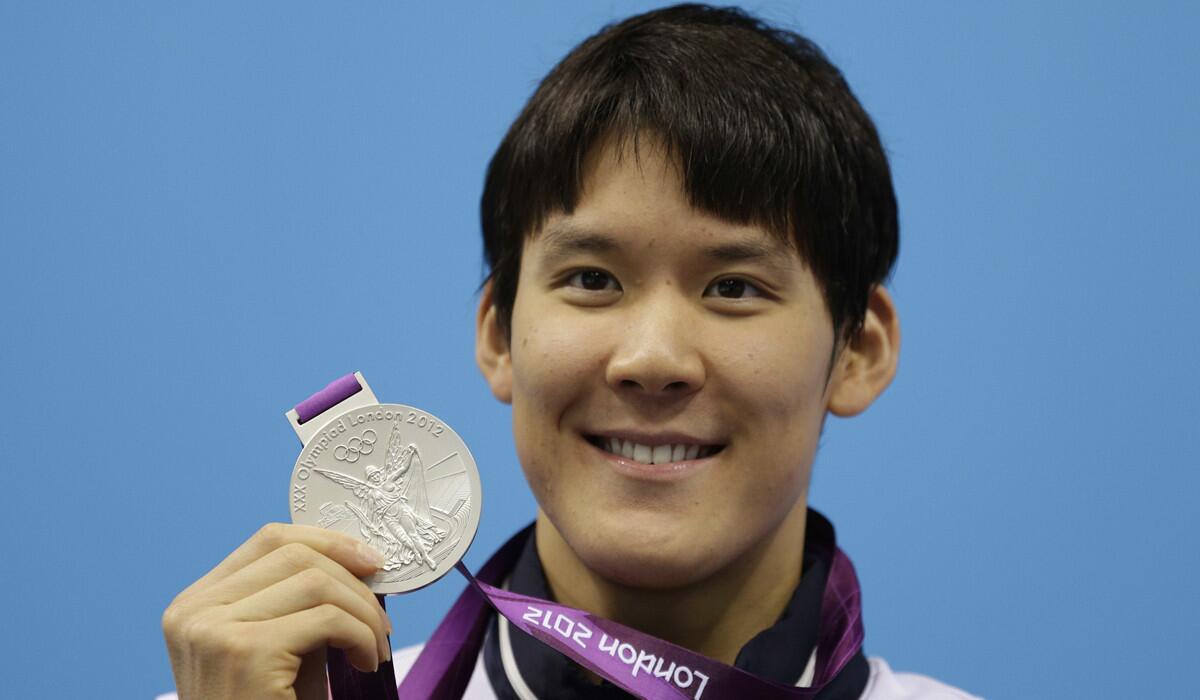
(398, 479)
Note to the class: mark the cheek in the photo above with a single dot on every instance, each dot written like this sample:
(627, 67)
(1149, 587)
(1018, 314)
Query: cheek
(548, 360)
(532, 439)
(783, 387)
(552, 367)
(780, 396)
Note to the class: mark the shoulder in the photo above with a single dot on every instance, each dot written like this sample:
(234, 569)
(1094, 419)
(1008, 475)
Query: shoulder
(886, 684)
(479, 687)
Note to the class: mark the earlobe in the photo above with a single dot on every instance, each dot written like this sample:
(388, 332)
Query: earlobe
(491, 347)
(867, 364)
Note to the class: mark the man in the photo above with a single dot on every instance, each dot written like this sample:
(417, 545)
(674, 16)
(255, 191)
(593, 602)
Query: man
(688, 229)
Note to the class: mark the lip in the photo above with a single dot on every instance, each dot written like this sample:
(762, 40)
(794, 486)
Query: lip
(656, 473)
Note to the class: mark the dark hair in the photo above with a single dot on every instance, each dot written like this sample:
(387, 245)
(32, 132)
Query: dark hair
(764, 128)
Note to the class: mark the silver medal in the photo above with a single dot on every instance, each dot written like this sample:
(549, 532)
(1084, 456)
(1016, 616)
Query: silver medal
(397, 478)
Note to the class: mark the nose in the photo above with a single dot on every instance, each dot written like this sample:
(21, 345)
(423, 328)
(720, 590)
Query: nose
(658, 353)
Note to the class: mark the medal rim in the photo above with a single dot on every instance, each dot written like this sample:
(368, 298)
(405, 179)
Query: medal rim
(464, 543)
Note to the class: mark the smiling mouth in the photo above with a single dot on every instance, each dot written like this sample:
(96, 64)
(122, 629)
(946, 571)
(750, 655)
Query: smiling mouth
(653, 454)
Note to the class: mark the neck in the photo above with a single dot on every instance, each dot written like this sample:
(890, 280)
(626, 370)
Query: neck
(715, 616)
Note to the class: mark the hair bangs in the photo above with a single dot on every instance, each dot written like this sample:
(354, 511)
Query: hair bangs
(762, 127)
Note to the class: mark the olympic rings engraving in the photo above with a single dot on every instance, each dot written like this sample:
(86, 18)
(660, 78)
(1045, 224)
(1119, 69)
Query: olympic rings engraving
(356, 447)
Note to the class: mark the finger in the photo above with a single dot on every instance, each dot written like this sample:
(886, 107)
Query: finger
(280, 565)
(351, 553)
(325, 625)
(307, 589)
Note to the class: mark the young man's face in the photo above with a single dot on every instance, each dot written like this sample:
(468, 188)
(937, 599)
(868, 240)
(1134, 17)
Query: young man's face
(638, 318)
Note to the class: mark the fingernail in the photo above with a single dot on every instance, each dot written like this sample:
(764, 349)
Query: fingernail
(385, 650)
(368, 555)
(387, 621)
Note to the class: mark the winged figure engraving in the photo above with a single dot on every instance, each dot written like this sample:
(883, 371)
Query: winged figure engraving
(393, 506)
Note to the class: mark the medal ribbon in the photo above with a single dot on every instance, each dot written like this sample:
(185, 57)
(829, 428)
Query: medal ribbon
(345, 681)
(639, 663)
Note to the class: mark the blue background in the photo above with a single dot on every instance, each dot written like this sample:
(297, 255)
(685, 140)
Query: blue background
(209, 210)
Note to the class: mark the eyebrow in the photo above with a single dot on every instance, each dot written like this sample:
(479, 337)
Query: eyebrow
(751, 251)
(565, 239)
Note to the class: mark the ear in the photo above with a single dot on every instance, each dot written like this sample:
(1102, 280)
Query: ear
(491, 347)
(867, 363)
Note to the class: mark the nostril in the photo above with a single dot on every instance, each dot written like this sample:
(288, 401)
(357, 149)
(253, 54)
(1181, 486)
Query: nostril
(676, 387)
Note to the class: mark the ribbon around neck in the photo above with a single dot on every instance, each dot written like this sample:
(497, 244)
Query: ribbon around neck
(639, 663)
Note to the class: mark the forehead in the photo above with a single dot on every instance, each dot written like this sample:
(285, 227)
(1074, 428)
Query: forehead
(632, 194)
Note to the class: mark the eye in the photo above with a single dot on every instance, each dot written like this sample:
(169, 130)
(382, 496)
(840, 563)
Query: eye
(593, 281)
(733, 288)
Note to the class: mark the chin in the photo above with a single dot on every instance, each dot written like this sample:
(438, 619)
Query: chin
(648, 570)
(645, 552)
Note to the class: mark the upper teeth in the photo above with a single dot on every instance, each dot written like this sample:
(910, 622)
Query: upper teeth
(656, 454)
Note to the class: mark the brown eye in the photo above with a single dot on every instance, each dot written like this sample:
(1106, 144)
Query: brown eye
(592, 280)
(733, 288)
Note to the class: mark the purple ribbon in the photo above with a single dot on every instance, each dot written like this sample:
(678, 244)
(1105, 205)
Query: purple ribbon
(334, 393)
(641, 664)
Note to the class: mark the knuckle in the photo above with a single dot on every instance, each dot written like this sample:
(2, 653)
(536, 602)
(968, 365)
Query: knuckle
(273, 535)
(202, 631)
(314, 581)
(183, 623)
(300, 556)
(213, 637)
(172, 619)
(329, 614)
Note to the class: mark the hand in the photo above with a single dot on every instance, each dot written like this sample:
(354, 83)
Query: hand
(258, 624)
